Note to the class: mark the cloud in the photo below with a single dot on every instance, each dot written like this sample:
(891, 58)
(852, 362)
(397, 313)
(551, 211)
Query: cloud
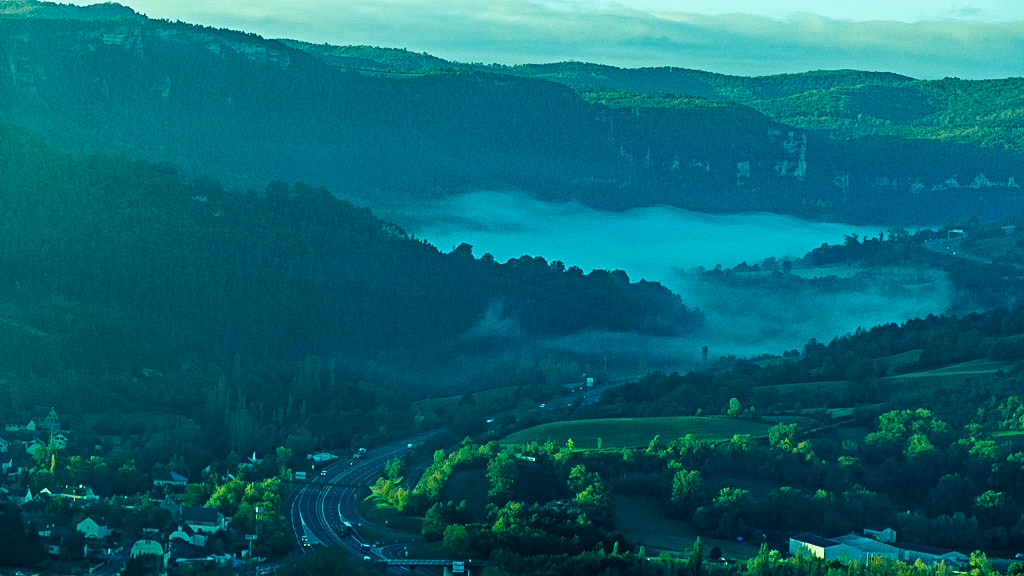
(522, 31)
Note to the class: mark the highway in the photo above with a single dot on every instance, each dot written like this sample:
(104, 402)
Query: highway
(318, 509)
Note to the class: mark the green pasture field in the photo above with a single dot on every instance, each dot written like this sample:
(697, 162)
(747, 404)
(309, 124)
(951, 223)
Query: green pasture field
(645, 522)
(775, 361)
(969, 368)
(618, 433)
(469, 484)
(837, 270)
(992, 248)
(449, 404)
(897, 361)
(1015, 437)
(389, 526)
(802, 421)
(808, 386)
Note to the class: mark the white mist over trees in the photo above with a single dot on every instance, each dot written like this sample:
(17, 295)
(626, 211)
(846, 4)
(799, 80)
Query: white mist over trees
(666, 245)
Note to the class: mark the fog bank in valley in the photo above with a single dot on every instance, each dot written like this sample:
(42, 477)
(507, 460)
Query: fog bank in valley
(666, 245)
(648, 243)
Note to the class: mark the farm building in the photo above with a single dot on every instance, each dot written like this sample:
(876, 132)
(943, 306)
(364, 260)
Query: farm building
(813, 545)
(854, 547)
(880, 533)
(912, 552)
(843, 548)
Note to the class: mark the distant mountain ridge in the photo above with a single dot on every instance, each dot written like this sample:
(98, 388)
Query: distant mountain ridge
(387, 126)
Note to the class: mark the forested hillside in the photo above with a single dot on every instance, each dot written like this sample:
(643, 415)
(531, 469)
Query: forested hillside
(740, 89)
(140, 301)
(389, 126)
(133, 264)
(839, 103)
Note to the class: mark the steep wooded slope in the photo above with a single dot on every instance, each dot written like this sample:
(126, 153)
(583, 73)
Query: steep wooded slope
(115, 264)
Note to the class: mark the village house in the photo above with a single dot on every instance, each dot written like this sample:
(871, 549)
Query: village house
(34, 508)
(14, 466)
(170, 481)
(53, 538)
(170, 502)
(185, 553)
(59, 440)
(45, 419)
(79, 495)
(30, 440)
(204, 520)
(184, 533)
(151, 548)
(105, 548)
(94, 527)
(321, 457)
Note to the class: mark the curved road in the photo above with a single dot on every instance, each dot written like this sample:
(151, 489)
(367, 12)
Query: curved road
(318, 509)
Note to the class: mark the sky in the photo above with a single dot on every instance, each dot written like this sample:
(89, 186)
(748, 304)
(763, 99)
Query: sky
(925, 39)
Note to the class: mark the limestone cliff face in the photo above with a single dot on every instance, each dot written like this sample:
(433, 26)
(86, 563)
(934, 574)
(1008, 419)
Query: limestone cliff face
(251, 110)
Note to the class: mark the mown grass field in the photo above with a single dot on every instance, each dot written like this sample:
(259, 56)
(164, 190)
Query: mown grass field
(992, 248)
(469, 484)
(645, 522)
(806, 386)
(939, 375)
(389, 526)
(837, 270)
(617, 433)
(970, 368)
(449, 404)
(1014, 437)
(897, 361)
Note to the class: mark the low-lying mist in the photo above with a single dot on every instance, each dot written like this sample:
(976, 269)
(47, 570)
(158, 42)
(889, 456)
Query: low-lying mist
(667, 245)
(648, 243)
